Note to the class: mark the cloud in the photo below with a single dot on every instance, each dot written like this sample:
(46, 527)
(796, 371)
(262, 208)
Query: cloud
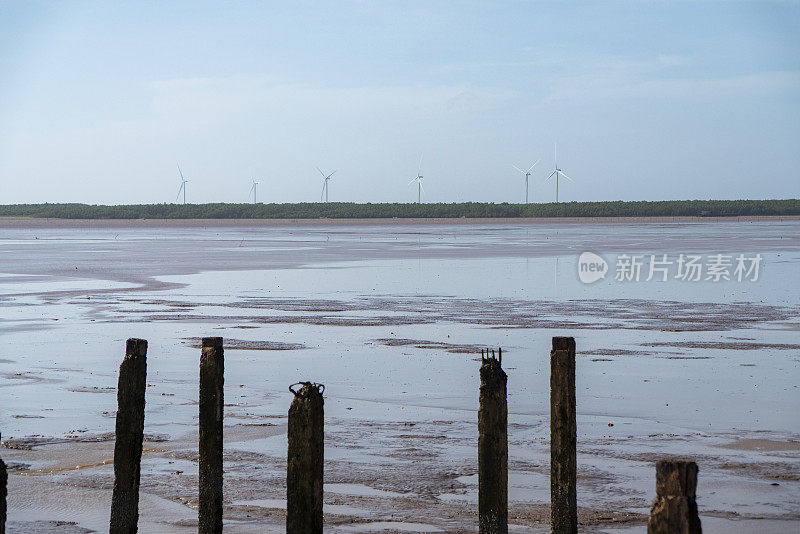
(237, 95)
(624, 86)
(557, 74)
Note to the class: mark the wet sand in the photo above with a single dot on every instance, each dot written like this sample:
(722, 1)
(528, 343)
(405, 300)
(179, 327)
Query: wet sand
(380, 315)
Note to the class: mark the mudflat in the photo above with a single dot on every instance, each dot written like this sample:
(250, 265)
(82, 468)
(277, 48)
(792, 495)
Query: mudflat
(391, 316)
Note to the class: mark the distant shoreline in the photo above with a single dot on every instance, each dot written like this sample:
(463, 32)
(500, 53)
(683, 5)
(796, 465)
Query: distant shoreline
(616, 210)
(34, 222)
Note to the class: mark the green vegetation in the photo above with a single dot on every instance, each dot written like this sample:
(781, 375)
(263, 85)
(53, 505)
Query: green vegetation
(348, 210)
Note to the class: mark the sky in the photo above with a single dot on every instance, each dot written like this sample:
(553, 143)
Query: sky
(645, 100)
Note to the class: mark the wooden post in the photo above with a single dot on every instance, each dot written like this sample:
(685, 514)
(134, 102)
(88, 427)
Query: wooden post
(563, 438)
(674, 509)
(212, 379)
(493, 447)
(304, 467)
(3, 495)
(128, 440)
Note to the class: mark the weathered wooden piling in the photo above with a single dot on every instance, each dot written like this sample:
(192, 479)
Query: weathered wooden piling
(212, 367)
(128, 440)
(493, 447)
(3, 495)
(674, 509)
(304, 468)
(563, 438)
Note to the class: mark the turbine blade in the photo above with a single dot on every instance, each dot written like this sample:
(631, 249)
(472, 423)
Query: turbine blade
(419, 169)
(331, 174)
(180, 171)
(413, 180)
(322, 173)
(551, 175)
(520, 170)
(532, 166)
(420, 186)
(179, 192)
(565, 176)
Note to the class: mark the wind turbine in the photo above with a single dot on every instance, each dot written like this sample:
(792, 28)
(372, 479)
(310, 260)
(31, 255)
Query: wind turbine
(325, 180)
(182, 187)
(254, 190)
(557, 172)
(527, 175)
(418, 179)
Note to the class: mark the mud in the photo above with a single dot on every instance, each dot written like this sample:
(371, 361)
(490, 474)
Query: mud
(764, 445)
(244, 344)
(770, 471)
(388, 317)
(726, 345)
(502, 313)
(46, 527)
(415, 481)
(615, 352)
(453, 348)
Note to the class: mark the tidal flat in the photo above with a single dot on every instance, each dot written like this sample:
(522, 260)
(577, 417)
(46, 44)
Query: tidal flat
(391, 317)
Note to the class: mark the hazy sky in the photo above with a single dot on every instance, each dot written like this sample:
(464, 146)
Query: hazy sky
(647, 100)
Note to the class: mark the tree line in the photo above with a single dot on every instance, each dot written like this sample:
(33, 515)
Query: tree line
(351, 210)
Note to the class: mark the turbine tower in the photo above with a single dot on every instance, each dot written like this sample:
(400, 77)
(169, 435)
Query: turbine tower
(527, 175)
(254, 190)
(418, 179)
(182, 187)
(557, 172)
(325, 180)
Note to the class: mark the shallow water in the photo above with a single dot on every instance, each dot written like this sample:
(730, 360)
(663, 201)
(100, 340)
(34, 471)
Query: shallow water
(677, 367)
